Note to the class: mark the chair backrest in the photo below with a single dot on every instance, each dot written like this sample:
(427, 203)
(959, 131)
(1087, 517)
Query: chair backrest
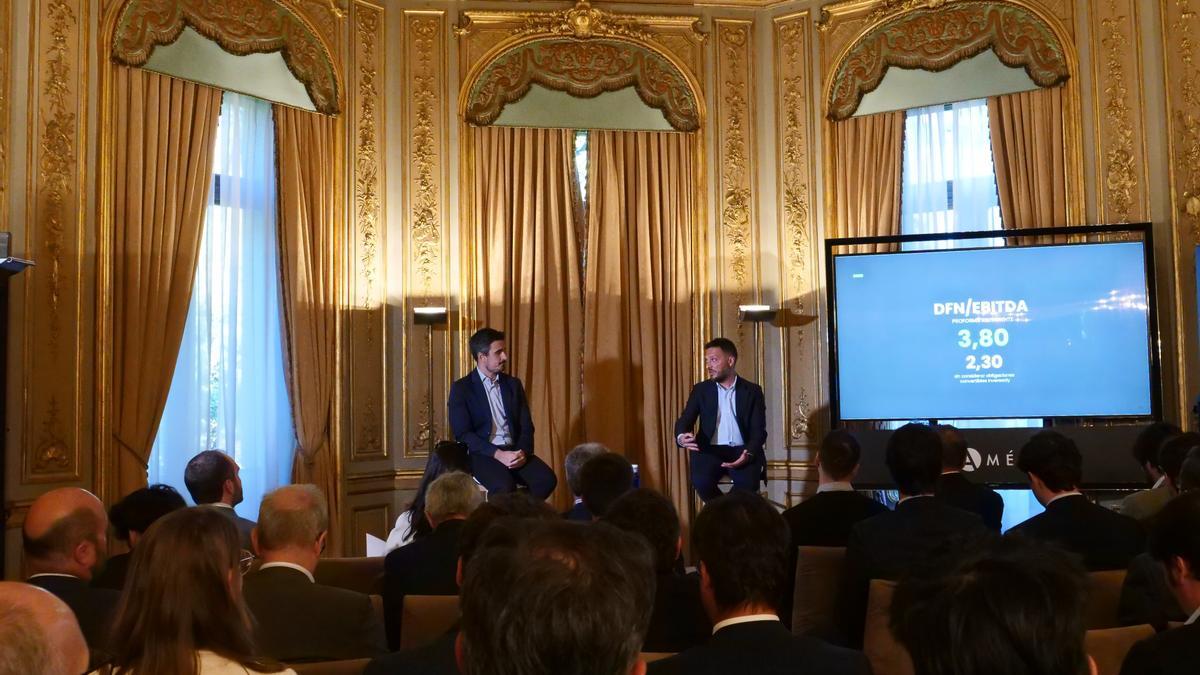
(819, 573)
(1104, 598)
(364, 575)
(347, 667)
(887, 656)
(426, 618)
(377, 606)
(1108, 647)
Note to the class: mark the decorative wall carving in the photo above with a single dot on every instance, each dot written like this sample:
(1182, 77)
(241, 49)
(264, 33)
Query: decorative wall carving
(1120, 136)
(367, 353)
(736, 213)
(793, 175)
(583, 68)
(243, 27)
(937, 38)
(1181, 31)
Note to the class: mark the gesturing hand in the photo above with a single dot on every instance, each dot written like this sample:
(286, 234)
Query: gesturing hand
(741, 461)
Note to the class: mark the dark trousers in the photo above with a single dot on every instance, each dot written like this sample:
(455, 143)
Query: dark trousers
(707, 470)
(498, 479)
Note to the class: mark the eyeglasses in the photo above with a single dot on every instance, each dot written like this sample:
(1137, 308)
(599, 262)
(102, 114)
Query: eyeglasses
(245, 561)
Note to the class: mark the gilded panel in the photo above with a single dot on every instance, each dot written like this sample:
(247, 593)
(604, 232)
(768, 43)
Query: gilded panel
(737, 216)
(1181, 32)
(373, 519)
(426, 155)
(57, 316)
(1120, 119)
(794, 112)
(366, 361)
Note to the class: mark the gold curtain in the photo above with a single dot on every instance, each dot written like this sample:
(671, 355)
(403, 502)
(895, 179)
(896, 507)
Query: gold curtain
(866, 178)
(1028, 151)
(639, 336)
(165, 130)
(527, 279)
(310, 221)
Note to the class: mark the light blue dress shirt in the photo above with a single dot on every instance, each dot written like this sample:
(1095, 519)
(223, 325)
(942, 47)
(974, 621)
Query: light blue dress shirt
(501, 435)
(727, 426)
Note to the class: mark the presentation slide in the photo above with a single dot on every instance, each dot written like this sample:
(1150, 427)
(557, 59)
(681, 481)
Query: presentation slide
(1048, 331)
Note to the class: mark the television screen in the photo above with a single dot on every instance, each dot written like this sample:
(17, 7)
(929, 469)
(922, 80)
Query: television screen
(1043, 331)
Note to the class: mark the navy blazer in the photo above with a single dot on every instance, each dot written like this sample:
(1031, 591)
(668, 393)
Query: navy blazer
(471, 415)
(750, 410)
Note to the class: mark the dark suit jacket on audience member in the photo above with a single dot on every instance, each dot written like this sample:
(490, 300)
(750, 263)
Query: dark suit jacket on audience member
(958, 491)
(435, 658)
(578, 513)
(921, 531)
(678, 621)
(749, 408)
(825, 518)
(761, 647)
(93, 607)
(1146, 596)
(243, 525)
(112, 576)
(297, 620)
(1174, 652)
(427, 566)
(471, 414)
(1103, 539)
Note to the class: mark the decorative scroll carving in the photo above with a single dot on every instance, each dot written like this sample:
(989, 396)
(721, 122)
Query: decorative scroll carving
(243, 27)
(935, 39)
(1123, 197)
(583, 68)
(1181, 24)
(583, 21)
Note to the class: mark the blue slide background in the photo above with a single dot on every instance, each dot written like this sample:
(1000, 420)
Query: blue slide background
(897, 360)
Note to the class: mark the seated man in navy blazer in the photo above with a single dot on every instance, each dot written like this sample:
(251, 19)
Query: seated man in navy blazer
(489, 412)
(733, 425)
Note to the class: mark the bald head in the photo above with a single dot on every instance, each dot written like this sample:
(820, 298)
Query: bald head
(41, 635)
(65, 532)
(292, 522)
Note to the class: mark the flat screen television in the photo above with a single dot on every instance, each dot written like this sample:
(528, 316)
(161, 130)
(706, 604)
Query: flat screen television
(1043, 331)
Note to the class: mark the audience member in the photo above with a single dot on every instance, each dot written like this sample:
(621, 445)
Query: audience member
(182, 612)
(556, 598)
(741, 543)
(214, 479)
(825, 518)
(573, 465)
(602, 480)
(678, 621)
(1171, 456)
(1175, 543)
(955, 489)
(920, 532)
(39, 635)
(65, 539)
(438, 657)
(1013, 607)
(411, 524)
(1143, 504)
(297, 619)
(428, 565)
(1189, 472)
(1103, 539)
(130, 518)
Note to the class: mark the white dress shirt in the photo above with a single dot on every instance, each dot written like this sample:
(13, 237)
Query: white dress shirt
(744, 619)
(290, 566)
(501, 434)
(1193, 618)
(835, 486)
(727, 427)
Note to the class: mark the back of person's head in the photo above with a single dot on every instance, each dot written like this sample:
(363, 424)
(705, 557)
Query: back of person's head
(651, 515)
(1173, 452)
(914, 457)
(585, 596)
(1175, 535)
(183, 594)
(292, 516)
(1189, 473)
(447, 456)
(142, 507)
(65, 531)
(452, 494)
(512, 506)
(1054, 459)
(954, 446)
(742, 543)
(839, 454)
(602, 479)
(576, 458)
(1014, 607)
(1147, 443)
(206, 474)
(481, 341)
(38, 633)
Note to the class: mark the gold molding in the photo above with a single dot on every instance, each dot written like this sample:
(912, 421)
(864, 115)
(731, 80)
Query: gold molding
(359, 525)
(368, 334)
(1122, 184)
(6, 44)
(1181, 23)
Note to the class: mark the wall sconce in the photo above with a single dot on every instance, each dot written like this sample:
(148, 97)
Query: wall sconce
(429, 316)
(756, 313)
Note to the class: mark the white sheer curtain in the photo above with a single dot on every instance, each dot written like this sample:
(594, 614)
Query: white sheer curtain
(949, 182)
(228, 391)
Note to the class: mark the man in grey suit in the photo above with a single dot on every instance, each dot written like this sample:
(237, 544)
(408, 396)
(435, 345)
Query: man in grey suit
(212, 479)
